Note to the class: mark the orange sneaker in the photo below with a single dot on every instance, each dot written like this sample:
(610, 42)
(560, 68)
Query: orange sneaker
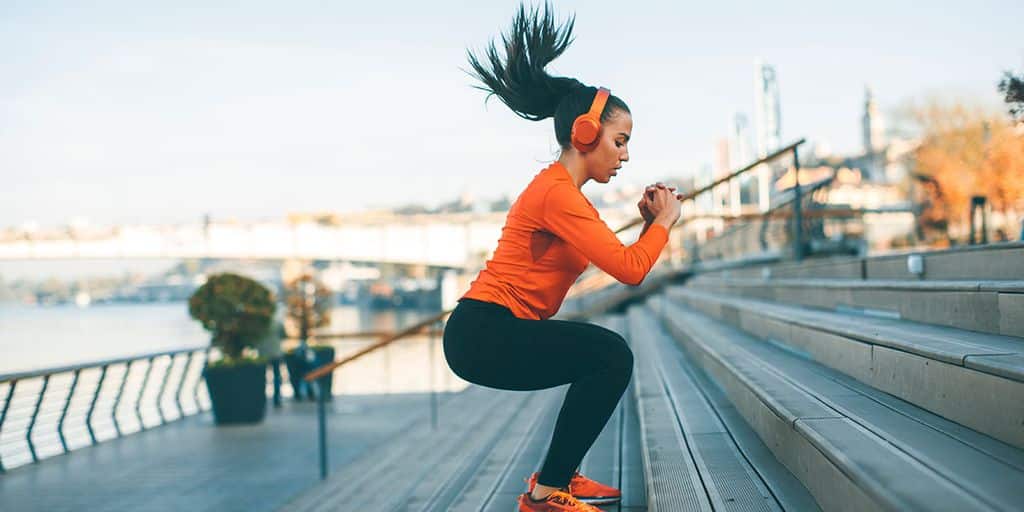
(557, 501)
(585, 489)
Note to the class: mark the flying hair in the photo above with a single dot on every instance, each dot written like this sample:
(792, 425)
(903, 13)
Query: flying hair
(519, 80)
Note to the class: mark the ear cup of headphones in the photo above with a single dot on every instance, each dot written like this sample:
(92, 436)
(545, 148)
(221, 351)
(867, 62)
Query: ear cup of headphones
(587, 126)
(584, 132)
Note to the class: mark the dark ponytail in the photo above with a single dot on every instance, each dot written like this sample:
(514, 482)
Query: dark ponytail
(520, 82)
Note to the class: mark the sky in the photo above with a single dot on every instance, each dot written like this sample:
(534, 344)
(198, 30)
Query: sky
(157, 112)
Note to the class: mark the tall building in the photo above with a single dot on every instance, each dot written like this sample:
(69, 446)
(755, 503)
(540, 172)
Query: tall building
(872, 124)
(768, 124)
(767, 109)
(739, 141)
(740, 154)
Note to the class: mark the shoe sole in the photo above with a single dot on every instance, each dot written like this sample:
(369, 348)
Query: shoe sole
(600, 501)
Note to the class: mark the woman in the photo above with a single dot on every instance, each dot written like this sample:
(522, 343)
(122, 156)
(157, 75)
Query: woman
(499, 335)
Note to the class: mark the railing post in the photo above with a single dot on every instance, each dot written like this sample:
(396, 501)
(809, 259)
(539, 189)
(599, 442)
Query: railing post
(163, 388)
(3, 416)
(32, 422)
(978, 205)
(181, 385)
(321, 400)
(142, 391)
(64, 412)
(433, 390)
(92, 405)
(199, 381)
(798, 246)
(120, 393)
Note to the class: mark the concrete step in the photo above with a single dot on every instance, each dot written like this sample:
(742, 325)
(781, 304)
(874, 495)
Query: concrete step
(995, 307)
(697, 456)
(498, 480)
(854, 447)
(964, 376)
(998, 261)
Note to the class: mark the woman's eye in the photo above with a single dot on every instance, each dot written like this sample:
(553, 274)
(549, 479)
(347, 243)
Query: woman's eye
(618, 144)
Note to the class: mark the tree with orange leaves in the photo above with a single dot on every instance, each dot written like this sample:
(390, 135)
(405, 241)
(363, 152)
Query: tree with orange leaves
(967, 151)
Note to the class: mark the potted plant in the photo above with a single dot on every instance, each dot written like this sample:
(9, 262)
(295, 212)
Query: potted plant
(308, 304)
(237, 311)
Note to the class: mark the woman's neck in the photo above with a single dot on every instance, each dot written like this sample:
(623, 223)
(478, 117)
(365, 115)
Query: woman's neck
(573, 163)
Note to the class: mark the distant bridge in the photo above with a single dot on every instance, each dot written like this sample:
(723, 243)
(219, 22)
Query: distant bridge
(450, 240)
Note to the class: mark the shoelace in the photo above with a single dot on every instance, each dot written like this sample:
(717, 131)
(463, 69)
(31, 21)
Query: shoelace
(562, 498)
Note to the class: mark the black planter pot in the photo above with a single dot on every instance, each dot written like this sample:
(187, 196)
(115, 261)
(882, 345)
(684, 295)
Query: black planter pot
(238, 393)
(298, 368)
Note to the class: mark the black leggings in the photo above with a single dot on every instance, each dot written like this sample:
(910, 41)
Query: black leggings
(484, 343)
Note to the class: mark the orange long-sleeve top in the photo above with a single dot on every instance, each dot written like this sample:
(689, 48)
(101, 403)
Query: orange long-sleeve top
(551, 233)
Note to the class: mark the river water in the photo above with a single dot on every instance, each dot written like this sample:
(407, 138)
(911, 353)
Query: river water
(34, 337)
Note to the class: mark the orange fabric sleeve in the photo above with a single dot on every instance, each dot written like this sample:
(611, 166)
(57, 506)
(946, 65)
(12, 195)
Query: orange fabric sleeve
(569, 216)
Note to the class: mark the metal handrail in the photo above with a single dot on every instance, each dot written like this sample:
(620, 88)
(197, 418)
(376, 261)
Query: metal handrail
(96, 401)
(707, 188)
(387, 340)
(90, 364)
(345, 335)
(792, 147)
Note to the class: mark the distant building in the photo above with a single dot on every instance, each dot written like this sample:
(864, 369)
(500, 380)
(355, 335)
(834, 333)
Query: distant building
(740, 151)
(767, 109)
(872, 125)
(768, 125)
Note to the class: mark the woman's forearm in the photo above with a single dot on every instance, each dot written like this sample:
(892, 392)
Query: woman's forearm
(647, 224)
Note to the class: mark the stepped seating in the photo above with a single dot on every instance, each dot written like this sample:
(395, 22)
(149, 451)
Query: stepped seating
(871, 411)
(965, 376)
(995, 307)
(1002, 261)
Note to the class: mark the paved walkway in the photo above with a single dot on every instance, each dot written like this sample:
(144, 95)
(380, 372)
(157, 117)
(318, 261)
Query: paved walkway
(193, 465)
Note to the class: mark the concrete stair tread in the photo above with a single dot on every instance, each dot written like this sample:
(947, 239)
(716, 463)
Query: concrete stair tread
(853, 398)
(693, 459)
(945, 344)
(894, 421)
(630, 460)
(960, 285)
(482, 487)
(899, 457)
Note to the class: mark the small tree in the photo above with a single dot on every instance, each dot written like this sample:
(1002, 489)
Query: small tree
(235, 309)
(966, 151)
(309, 304)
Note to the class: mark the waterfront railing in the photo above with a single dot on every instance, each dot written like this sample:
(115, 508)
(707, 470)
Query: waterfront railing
(57, 410)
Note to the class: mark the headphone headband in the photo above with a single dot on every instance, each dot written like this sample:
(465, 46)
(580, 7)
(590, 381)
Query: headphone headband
(600, 99)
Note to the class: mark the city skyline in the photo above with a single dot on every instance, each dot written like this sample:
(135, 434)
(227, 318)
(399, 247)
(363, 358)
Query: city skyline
(123, 113)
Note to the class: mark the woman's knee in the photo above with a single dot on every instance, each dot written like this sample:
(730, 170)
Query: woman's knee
(616, 353)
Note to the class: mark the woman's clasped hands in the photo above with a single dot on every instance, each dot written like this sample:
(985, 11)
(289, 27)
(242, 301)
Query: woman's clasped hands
(660, 204)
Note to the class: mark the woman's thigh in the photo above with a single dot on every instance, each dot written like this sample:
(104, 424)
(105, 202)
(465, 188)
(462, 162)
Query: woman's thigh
(518, 354)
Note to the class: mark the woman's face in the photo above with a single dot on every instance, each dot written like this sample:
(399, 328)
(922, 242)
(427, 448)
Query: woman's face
(604, 161)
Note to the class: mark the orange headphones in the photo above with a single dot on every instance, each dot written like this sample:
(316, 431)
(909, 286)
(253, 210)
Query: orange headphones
(587, 126)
